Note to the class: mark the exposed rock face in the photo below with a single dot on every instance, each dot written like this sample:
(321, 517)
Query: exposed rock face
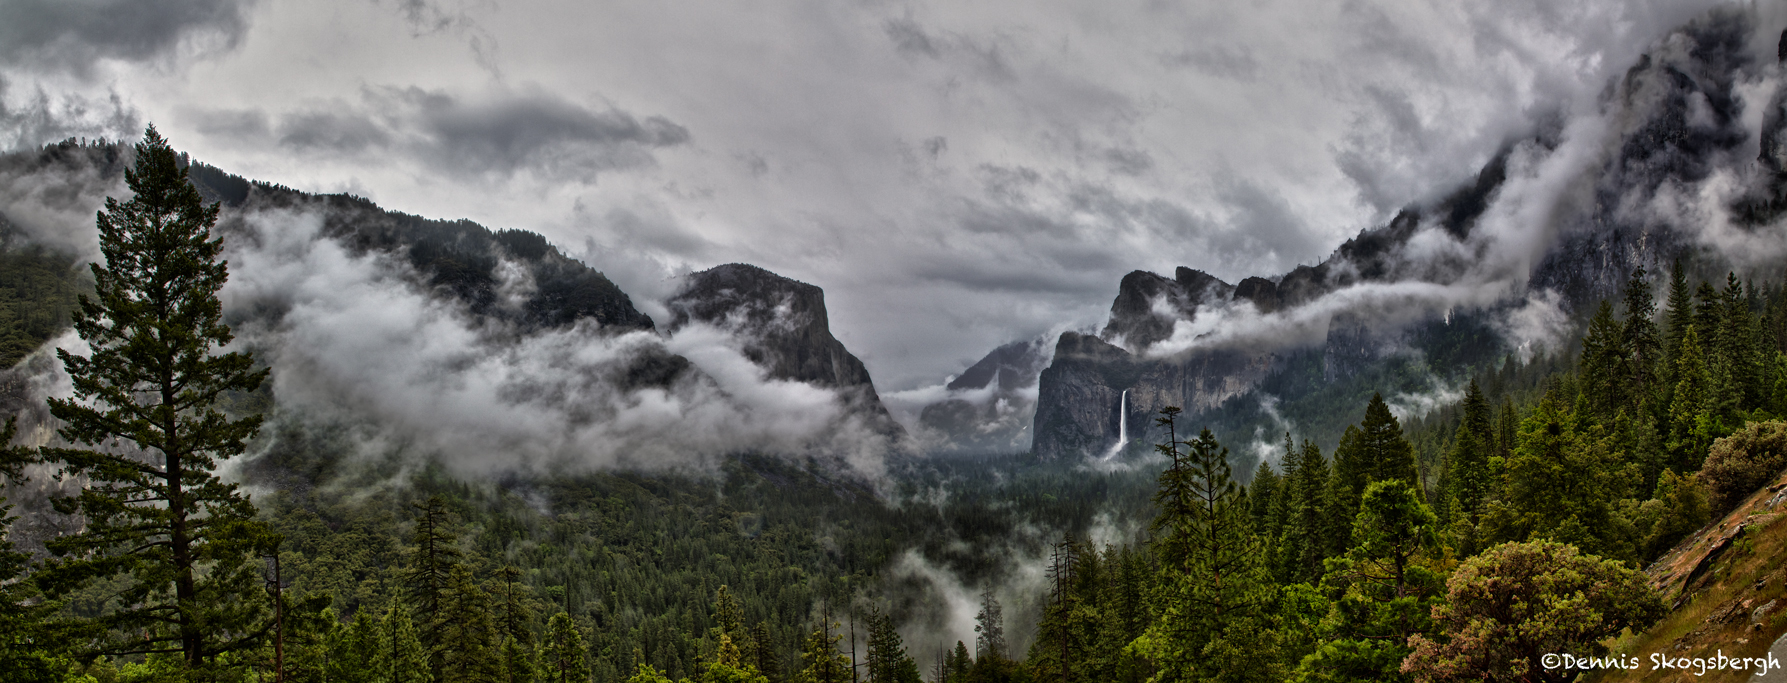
(1012, 367)
(1147, 305)
(1080, 393)
(992, 404)
(784, 329)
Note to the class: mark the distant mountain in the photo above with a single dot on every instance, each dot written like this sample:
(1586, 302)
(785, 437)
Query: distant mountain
(458, 259)
(1673, 132)
(990, 406)
(783, 327)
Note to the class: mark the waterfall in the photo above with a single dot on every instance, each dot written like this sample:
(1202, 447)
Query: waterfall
(1123, 420)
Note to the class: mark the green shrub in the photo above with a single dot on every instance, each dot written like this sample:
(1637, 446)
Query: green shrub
(1747, 460)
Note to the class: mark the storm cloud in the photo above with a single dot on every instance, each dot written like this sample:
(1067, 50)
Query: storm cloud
(73, 36)
(492, 134)
(956, 176)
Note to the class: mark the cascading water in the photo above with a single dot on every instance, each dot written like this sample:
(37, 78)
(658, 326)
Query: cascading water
(1122, 426)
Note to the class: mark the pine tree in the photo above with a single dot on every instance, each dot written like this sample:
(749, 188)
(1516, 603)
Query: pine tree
(888, 661)
(728, 666)
(176, 543)
(1123, 616)
(729, 619)
(1306, 528)
(760, 653)
(959, 662)
(1213, 585)
(1688, 414)
(824, 663)
(1603, 375)
(1565, 481)
(1345, 482)
(469, 636)
(1709, 313)
(1389, 454)
(1507, 421)
(430, 575)
(562, 657)
(1737, 353)
(355, 650)
(1641, 340)
(1385, 585)
(516, 638)
(518, 662)
(1681, 315)
(1058, 640)
(1262, 495)
(1468, 463)
(989, 624)
(401, 656)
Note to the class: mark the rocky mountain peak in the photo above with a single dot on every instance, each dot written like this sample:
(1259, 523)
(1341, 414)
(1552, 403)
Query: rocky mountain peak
(782, 326)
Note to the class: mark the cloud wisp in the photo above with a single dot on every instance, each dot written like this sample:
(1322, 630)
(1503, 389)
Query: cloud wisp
(355, 341)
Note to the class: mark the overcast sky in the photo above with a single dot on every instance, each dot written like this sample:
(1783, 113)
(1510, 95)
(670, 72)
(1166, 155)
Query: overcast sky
(955, 174)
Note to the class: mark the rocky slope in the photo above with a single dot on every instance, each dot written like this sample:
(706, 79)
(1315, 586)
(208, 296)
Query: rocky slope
(1726, 586)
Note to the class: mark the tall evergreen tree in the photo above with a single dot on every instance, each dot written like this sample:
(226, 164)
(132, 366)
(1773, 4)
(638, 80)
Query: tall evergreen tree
(355, 650)
(1123, 616)
(516, 638)
(1061, 641)
(401, 658)
(760, 653)
(469, 637)
(989, 625)
(1468, 463)
(1307, 515)
(562, 655)
(1352, 471)
(888, 661)
(729, 618)
(1391, 456)
(1642, 341)
(1262, 495)
(1213, 587)
(1374, 451)
(958, 663)
(1385, 587)
(824, 662)
(1507, 423)
(1689, 418)
(1602, 369)
(1679, 317)
(1565, 481)
(176, 543)
(1736, 353)
(430, 575)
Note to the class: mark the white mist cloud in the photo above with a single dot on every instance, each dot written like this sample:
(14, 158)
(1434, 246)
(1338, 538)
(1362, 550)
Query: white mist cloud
(354, 340)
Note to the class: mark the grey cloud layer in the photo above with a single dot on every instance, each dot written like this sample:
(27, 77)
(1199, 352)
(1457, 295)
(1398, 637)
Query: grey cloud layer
(500, 133)
(74, 35)
(924, 161)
